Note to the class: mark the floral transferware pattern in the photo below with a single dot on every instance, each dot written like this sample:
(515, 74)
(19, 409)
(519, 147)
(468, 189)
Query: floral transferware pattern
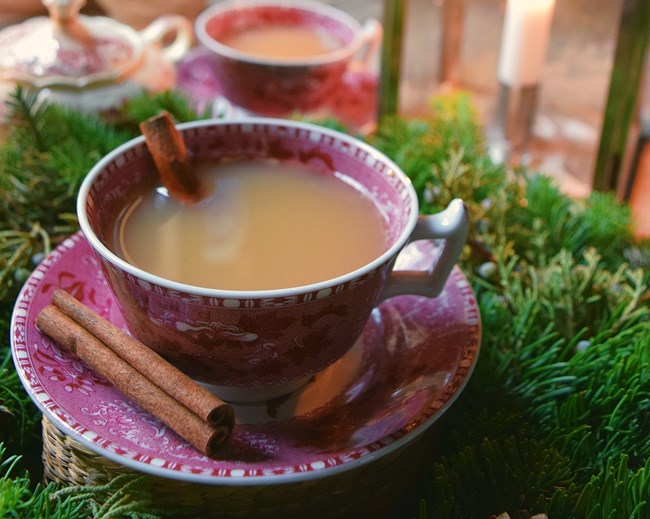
(412, 361)
(293, 332)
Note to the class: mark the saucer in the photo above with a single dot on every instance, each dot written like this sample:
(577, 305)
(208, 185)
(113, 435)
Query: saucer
(354, 103)
(410, 364)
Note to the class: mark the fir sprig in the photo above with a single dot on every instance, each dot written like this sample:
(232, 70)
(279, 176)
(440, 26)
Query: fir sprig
(19, 498)
(549, 221)
(511, 475)
(48, 152)
(18, 417)
(126, 495)
(610, 403)
(146, 106)
(616, 492)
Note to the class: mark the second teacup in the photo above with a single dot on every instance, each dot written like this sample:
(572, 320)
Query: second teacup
(276, 57)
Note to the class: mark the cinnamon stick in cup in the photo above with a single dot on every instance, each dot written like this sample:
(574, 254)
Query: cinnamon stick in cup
(170, 156)
(89, 349)
(170, 379)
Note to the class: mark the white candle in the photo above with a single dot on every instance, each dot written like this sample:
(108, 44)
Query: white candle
(525, 40)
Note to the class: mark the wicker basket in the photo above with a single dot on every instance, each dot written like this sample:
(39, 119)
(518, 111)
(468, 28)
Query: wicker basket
(388, 487)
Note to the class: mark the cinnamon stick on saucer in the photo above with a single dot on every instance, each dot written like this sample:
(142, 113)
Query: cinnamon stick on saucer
(170, 379)
(85, 346)
(170, 156)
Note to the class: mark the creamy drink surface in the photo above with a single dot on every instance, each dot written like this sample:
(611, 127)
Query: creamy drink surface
(281, 42)
(265, 226)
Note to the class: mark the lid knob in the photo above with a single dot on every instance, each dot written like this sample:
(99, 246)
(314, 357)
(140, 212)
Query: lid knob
(67, 48)
(64, 10)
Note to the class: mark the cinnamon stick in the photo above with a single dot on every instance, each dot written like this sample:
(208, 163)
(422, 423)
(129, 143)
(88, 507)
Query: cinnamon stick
(85, 346)
(170, 379)
(170, 156)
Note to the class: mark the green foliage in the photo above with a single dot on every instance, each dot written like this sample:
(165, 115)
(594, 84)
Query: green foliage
(146, 106)
(42, 164)
(549, 221)
(127, 495)
(18, 249)
(20, 424)
(616, 492)
(512, 474)
(48, 153)
(610, 403)
(445, 158)
(567, 294)
(556, 417)
(20, 499)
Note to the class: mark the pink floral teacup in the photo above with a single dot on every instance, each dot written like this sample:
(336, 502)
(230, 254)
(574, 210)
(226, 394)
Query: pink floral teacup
(256, 345)
(278, 82)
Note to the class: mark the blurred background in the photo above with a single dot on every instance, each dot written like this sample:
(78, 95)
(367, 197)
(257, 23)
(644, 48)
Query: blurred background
(572, 93)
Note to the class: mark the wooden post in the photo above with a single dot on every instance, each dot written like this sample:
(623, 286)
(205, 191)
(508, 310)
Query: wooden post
(631, 47)
(453, 14)
(391, 58)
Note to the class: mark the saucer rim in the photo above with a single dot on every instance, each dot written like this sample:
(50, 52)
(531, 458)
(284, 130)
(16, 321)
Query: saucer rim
(380, 448)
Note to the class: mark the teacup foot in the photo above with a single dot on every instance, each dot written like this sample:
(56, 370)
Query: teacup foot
(255, 394)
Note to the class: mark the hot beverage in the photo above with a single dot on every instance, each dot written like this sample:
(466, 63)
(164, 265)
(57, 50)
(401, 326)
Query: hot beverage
(266, 225)
(281, 42)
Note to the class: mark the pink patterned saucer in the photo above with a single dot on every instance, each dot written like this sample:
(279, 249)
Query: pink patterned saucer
(411, 363)
(353, 104)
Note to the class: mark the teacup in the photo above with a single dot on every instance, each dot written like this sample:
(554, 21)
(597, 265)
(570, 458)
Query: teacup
(276, 85)
(253, 345)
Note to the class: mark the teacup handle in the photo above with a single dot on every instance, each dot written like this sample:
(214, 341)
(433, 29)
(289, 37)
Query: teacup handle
(451, 224)
(164, 26)
(371, 34)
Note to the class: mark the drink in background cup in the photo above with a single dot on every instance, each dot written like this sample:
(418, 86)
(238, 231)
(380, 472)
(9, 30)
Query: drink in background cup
(285, 42)
(275, 57)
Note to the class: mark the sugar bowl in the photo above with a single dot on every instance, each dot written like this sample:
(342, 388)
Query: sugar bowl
(90, 63)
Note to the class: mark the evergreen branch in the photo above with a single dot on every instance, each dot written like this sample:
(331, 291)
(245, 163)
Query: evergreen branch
(21, 416)
(496, 476)
(145, 106)
(26, 112)
(18, 498)
(131, 495)
(616, 492)
(17, 255)
(611, 398)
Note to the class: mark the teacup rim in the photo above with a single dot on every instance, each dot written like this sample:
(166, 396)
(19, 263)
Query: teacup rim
(334, 56)
(391, 252)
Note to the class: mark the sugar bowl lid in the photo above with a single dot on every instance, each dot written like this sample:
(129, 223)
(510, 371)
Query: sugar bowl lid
(68, 49)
